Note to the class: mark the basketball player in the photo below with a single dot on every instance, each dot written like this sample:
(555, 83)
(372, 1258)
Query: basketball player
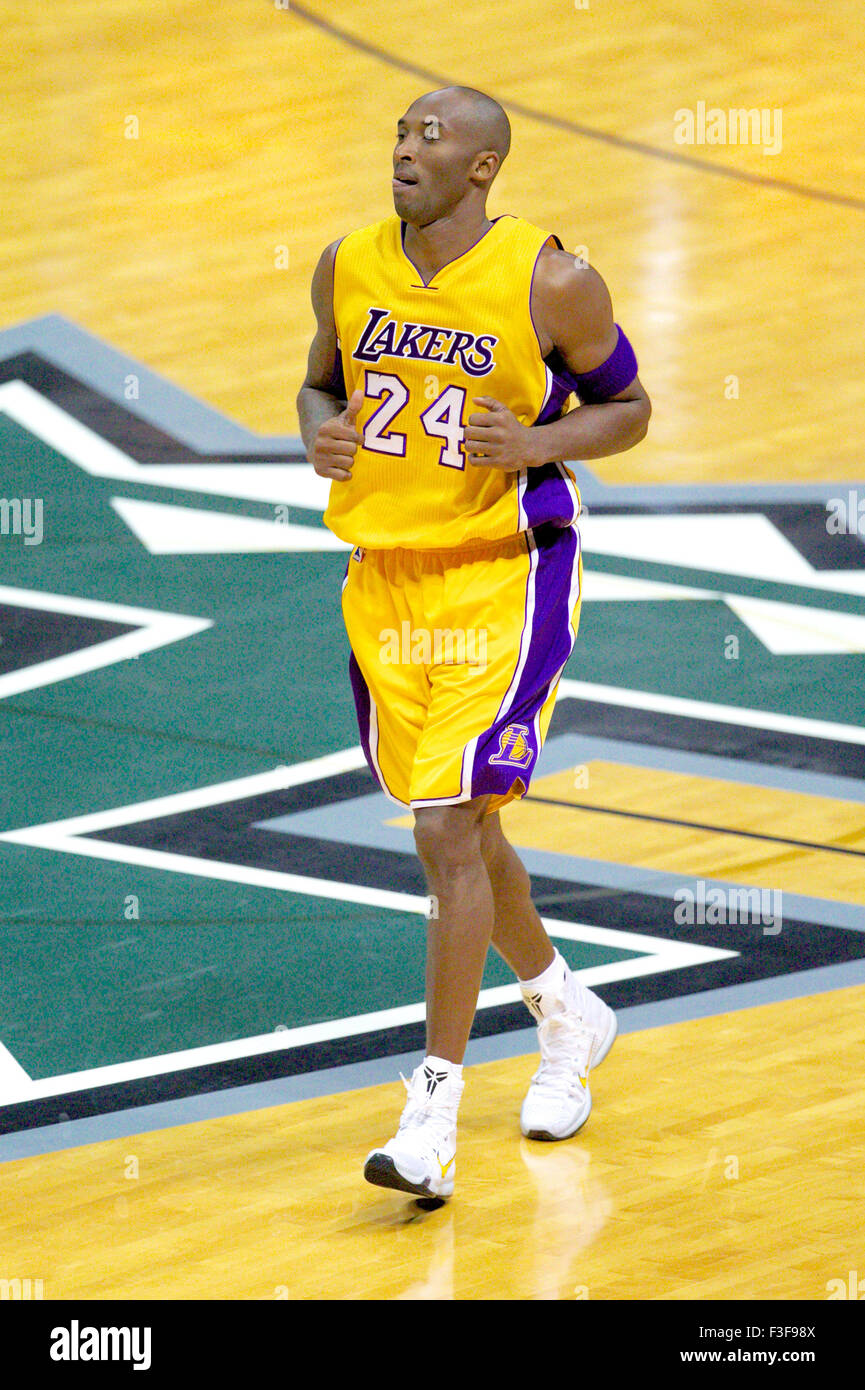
(448, 346)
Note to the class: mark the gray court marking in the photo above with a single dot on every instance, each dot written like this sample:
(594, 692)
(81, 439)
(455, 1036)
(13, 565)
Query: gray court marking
(362, 821)
(160, 402)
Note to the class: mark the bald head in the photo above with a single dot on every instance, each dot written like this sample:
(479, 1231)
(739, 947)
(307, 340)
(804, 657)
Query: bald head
(450, 146)
(477, 116)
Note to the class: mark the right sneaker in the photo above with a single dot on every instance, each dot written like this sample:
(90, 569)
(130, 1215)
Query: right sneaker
(421, 1157)
(576, 1030)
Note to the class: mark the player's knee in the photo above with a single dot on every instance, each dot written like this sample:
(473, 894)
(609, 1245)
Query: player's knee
(503, 865)
(448, 837)
(492, 838)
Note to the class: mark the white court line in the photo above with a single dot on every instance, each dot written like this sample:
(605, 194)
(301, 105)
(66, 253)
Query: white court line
(100, 458)
(295, 483)
(701, 709)
(222, 872)
(69, 836)
(155, 629)
(16, 1086)
(329, 765)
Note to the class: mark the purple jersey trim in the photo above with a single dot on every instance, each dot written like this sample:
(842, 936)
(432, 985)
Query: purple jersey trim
(548, 499)
(560, 247)
(426, 283)
(554, 404)
(336, 383)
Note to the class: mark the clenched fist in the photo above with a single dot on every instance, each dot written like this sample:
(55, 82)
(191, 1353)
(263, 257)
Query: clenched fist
(336, 442)
(497, 439)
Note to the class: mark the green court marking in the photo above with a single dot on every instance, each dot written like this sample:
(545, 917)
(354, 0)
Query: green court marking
(679, 649)
(268, 684)
(83, 985)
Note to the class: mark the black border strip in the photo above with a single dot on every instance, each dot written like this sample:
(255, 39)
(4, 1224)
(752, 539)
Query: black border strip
(688, 734)
(804, 946)
(137, 437)
(802, 522)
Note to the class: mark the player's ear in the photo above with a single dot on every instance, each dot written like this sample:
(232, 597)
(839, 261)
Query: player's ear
(486, 166)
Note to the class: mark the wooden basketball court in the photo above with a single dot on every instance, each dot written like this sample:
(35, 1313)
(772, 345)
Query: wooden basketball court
(174, 173)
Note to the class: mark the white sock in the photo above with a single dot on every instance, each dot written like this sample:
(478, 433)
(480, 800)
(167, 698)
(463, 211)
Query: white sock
(440, 1064)
(443, 1079)
(551, 981)
(545, 994)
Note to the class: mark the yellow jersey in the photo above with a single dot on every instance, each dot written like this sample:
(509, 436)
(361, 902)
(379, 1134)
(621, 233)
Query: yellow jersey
(422, 353)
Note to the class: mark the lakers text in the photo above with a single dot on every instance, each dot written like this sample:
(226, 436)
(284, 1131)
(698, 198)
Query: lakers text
(740, 126)
(22, 516)
(435, 646)
(708, 905)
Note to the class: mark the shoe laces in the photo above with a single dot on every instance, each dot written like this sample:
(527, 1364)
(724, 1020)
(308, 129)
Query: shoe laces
(566, 1047)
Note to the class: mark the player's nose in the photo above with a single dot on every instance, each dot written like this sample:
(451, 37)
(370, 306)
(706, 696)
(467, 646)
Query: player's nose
(405, 149)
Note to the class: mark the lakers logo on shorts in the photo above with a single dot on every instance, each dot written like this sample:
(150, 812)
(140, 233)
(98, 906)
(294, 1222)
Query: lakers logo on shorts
(514, 747)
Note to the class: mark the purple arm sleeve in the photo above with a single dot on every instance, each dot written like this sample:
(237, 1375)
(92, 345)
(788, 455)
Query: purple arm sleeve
(611, 377)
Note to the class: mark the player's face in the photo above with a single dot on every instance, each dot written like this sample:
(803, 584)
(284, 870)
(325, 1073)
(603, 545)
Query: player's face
(431, 165)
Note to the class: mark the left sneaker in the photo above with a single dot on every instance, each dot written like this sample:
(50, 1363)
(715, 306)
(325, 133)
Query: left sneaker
(575, 1032)
(421, 1157)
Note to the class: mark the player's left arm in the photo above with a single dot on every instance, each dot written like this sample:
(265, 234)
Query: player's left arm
(572, 313)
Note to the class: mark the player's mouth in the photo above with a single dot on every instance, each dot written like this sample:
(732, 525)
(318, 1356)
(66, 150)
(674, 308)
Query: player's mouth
(404, 180)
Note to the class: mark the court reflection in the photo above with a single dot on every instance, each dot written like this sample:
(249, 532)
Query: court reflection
(558, 1207)
(570, 1210)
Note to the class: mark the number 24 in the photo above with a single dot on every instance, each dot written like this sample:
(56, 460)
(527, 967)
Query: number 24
(441, 420)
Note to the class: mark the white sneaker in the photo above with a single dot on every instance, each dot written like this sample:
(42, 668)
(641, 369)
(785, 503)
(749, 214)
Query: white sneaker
(421, 1157)
(575, 1032)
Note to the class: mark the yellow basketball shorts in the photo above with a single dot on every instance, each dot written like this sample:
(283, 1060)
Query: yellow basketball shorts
(456, 657)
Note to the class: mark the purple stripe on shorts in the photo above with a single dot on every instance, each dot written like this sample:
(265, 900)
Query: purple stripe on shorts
(509, 749)
(362, 705)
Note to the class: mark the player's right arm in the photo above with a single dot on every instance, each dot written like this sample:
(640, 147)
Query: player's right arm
(326, 420)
